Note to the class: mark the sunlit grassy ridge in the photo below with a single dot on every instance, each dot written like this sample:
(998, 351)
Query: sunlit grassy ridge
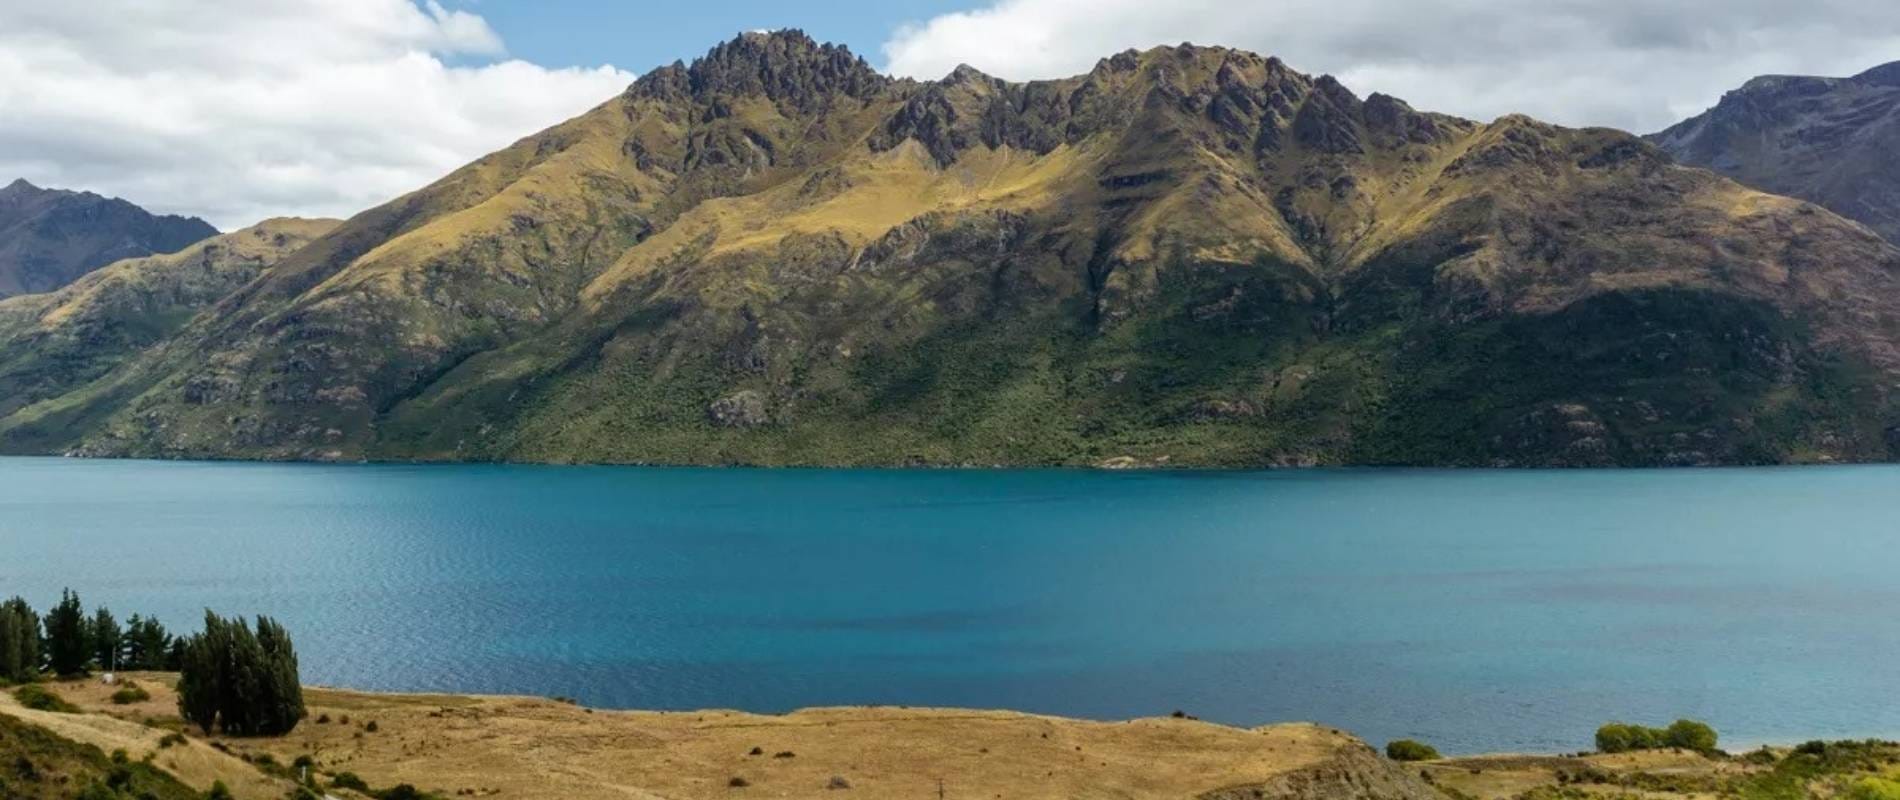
(1186, 256)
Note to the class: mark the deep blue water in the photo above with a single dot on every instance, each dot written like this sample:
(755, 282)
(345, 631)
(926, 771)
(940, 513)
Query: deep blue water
(1480, 610)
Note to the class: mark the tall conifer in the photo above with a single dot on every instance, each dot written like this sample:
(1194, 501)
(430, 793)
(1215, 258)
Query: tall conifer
(68, 643)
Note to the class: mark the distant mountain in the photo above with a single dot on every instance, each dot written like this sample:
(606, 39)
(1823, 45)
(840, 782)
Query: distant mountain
(55, 342)
(49, 237)
(1188, 255)
(1833, 141)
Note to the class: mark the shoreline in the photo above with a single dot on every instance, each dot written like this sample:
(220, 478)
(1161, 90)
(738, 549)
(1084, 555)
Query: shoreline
(1138, 468)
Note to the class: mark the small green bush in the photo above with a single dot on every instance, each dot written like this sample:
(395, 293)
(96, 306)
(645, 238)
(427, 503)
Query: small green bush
(1690, 735)
(1410, 750)
(349, 780)
(1618, 737)
(40, 698)
(129, 694)
(1873, 789)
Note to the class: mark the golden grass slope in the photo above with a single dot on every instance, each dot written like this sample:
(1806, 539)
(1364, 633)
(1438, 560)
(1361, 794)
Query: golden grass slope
(539, 749)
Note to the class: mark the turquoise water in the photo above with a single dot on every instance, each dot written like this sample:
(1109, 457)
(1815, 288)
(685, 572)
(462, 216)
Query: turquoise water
(1479, 610)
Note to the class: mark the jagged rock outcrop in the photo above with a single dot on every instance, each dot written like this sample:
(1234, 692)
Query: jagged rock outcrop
(1355, 773)
(1827, 140)
(50, 237)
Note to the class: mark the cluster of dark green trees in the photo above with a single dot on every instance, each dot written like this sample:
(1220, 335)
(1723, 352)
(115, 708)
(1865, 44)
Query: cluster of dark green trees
(1688, 734)
(237, 678)
(69, 642)
(241, 679)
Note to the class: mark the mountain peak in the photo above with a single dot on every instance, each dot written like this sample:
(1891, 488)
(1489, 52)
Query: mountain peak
(786, 66)
(964, 73)
(20, 185)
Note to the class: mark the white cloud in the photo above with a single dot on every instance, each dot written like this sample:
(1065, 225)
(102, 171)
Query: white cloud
(1634, 64)
(236, 110)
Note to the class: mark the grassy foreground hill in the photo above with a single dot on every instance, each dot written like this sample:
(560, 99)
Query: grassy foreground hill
(1189, 255)
(359, 743)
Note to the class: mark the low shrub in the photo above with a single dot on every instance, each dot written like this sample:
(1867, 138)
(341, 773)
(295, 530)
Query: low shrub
(40, 698)
(1410, 750)
(738, 782)
(171, 739)
(1688, 734)
(1873, 789)
(349, 780)
(129, 694)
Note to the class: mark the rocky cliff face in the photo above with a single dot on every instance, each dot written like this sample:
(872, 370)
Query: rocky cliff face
(1827, 140)
(1189, 255)
(48, 237)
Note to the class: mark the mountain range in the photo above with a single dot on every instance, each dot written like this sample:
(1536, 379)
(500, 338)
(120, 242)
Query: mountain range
(50, 237)
(1833, 141)
(1186, 256)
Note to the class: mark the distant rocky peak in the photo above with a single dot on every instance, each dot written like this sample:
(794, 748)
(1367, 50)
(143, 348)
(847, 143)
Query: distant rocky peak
(785, 66)
(1779, 86)
(20, 186)
(966, 75)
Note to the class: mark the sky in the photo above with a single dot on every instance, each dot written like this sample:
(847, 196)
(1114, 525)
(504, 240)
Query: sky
(238, 110)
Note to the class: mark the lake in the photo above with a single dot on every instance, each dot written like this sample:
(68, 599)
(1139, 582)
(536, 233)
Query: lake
(1478, 610)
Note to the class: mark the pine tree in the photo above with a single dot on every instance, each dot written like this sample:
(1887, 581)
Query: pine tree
(147, 645)
(68, 645)
(241, 680)
(106, 638)
(19, 641)
(201, 674)
(281, 706)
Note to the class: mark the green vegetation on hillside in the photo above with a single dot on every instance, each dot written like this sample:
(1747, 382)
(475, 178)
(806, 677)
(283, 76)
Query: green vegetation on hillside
(38, 765)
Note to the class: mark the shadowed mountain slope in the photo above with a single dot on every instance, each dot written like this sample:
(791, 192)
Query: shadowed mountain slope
(1832, 141)
(50, 237)
(1189, 255)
